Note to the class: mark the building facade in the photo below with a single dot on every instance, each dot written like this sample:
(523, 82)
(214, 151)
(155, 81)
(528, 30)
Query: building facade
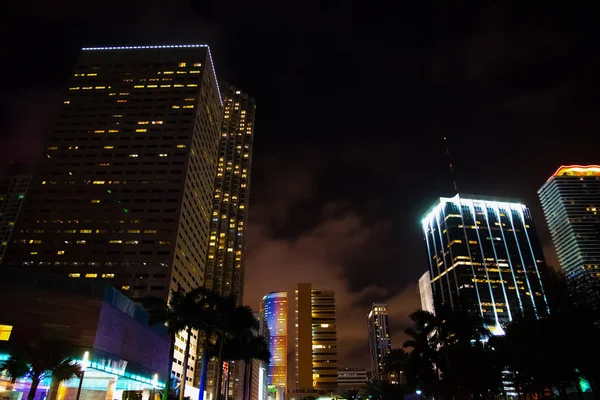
(425, 293)
(259, 376)
(229, 210)
(485, 257)
(11, 199)
(352, 379)
(125, 355)
(274, 307)
(316, 340)
(571, 204)
(380, 344)
(123, 192)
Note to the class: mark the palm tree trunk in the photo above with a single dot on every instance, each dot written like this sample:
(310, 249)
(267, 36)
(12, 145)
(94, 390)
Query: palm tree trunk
(203, 371)
(185, 364)
(53, 392)
(35, 381)
(219, 368)
(245, 382)
(169, 369)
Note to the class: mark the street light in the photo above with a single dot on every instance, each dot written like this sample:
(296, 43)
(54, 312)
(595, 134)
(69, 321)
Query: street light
(418, 392)
(84, 363)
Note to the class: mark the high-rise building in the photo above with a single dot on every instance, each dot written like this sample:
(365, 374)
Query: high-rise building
(485, 258)
(259, 376)
(12, 196)
(571, 203)
(229, 212)
(380, 343)
(274, 307)
(316, 340)
(226, 254)
(352, 379)
(425, 293)
(123, 192)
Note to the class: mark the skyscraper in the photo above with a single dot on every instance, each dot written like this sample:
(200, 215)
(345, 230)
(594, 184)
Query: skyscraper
(12, 196)
(259, 375)
(316, 340)
(484, 257)
(425, 293)
(274, 307)
(229, 211)
(380, 343)
(123, 192)
(352, 378)
(571, 203)
(226, 254)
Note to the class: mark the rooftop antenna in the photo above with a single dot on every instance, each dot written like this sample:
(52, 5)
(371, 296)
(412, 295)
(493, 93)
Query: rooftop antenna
(452, 175)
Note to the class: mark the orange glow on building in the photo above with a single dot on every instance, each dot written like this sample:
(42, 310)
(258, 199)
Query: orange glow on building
(577, 170)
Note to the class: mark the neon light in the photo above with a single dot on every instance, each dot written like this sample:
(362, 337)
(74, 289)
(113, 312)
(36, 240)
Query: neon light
(172, 46)
(577, 170)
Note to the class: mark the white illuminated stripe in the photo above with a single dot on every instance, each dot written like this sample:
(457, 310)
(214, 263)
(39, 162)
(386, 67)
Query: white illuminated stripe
(172, 46)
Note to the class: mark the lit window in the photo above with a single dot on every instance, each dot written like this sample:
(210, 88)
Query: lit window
(133, 155)
(141, 130)
(74, 275)
(85, 231)
(99, 131)
(37, 241)
(60, 252)
(121, 101)
(91, 275)
(157, 122)
(162, 155)
(115, 241)
(142, 122)
(113, 131)
(125, 287)
(138, 87)
(34, 253)
(95, 201)
(108, 275)
(182, 64)
(81, 242)
(181, 146)
(178, 85)
(5, 331)
(192, 85)
(194, 72)
(174, 106)
(99, 182)
(131, 242)
(197, 64)
(133, 231)
(188, 106)
(109, 147)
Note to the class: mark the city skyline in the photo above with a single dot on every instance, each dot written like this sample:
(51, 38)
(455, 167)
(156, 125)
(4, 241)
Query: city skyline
(328, 199)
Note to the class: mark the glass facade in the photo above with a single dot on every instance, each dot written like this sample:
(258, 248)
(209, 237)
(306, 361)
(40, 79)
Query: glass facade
(274, 307)
(571, 203)
(10, 205)
(380, 343)
(485, 257)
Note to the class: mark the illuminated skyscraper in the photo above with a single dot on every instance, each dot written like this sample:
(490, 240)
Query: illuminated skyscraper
(274, 307)
(426, 294)
(229, 210)
(316, 340)
(226, 254)
(123, 192)
(484, 257)
(380, 344)
(571, 203)
(11, 198)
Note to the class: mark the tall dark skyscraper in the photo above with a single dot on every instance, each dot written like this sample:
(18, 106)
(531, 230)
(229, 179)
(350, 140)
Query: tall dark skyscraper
(380, 343)
(485, 257)
(12, 196)
(227, 247)
(123, 192)
(571, 203)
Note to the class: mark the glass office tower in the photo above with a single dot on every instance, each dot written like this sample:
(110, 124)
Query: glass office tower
(380, 344)
(571, 203)
(274, 307)
(485, 257)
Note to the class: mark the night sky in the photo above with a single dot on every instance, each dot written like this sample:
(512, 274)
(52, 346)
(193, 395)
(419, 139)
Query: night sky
(353, 101)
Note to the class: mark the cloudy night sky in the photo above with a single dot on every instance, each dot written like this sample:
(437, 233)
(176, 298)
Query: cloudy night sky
(353, 99)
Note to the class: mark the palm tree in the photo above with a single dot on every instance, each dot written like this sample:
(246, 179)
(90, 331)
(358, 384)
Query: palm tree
(396, 361)
(246, 348)
(38, 360)
(63, 372)
(423, 360)
(181, 313)
(349, 394)
(230, 323)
